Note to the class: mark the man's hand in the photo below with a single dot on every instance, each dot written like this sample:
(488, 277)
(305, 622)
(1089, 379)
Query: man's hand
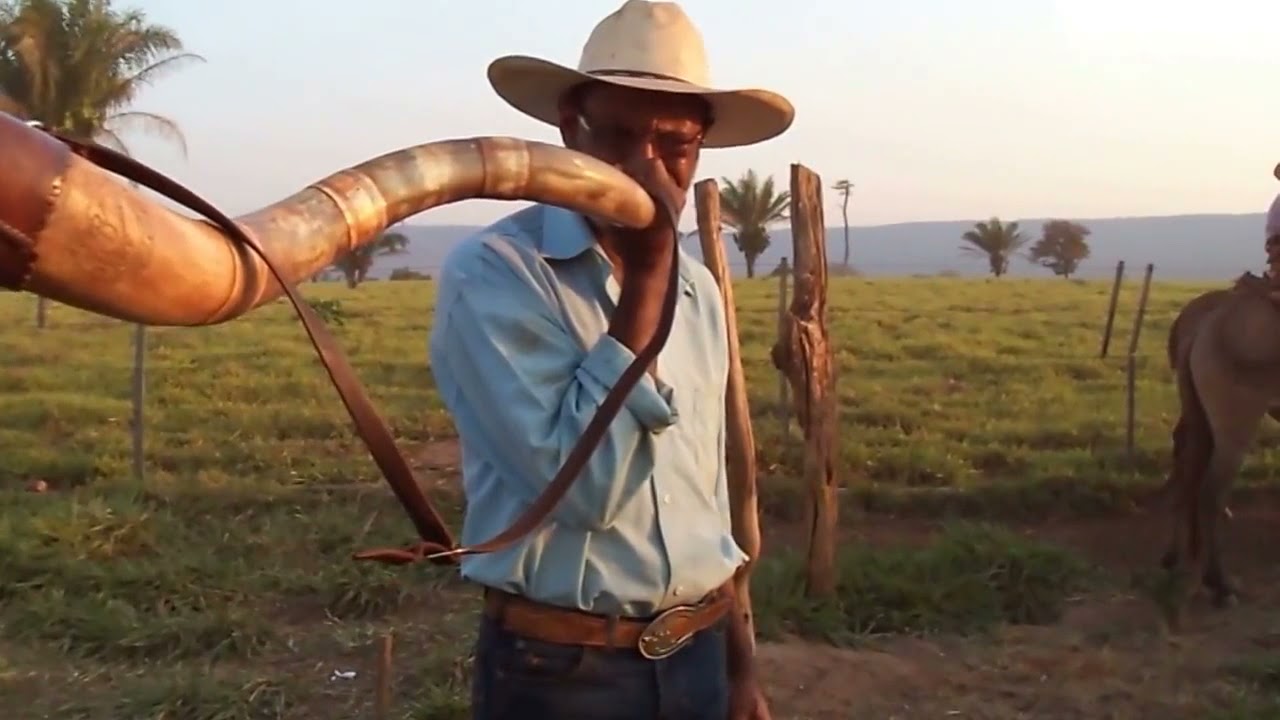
(746, 700)
(645, 257)
(648, 250)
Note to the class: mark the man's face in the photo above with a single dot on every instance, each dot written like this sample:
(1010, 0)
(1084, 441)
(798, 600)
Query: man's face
(1273, 249)
(624, 126)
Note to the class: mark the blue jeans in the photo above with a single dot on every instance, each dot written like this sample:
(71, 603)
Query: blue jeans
(517, 678)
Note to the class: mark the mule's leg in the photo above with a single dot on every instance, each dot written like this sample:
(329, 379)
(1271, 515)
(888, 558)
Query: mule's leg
(1177, 485)
(1223, 466)
(1192, 445)
(1193, 448)
(1234, 409)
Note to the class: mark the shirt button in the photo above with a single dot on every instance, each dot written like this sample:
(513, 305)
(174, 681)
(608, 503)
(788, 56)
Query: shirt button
(666, 499)
(678, 590)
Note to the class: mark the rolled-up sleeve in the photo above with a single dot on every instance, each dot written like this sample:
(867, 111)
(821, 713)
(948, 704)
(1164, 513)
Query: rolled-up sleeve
(651, 400)
(521, 385)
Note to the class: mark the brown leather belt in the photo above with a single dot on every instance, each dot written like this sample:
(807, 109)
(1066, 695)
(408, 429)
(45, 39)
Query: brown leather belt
(655, 638)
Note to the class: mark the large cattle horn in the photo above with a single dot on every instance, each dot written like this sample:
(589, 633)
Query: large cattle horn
(103, 246)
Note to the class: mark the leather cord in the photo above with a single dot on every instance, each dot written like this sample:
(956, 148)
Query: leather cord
(437, 542)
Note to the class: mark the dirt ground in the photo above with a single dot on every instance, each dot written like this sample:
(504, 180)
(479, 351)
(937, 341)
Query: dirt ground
(1110, 658)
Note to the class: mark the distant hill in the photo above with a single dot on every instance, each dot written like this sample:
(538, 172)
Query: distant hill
(1183, 247)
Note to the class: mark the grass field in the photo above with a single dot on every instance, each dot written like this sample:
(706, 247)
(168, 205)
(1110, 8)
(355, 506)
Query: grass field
(219, 587)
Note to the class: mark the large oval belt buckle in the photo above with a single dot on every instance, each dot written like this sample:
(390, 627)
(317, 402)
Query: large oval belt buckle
(663, 637)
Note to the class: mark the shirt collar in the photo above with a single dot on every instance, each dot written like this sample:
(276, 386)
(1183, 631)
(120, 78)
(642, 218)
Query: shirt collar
(566, 235)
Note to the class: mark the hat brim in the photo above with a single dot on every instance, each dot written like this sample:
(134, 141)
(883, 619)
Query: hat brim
(742, 116)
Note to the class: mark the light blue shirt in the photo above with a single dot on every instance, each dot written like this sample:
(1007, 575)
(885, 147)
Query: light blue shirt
(521, 356)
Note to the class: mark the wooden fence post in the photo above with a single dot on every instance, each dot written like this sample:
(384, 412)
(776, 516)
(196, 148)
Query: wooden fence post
(1130, 405)
(42, 312)
(740, 443)
(1142, 309)
(139, 397)
(784, 399)
(382, 679)
(804, 352)
(1111, 308)
(1131, 371)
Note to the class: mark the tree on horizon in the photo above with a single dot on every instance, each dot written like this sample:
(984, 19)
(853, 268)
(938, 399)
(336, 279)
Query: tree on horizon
(1061, 247)
(996, 241)
(845, 188)
(748, 207)
(76, 66)
(356, 264)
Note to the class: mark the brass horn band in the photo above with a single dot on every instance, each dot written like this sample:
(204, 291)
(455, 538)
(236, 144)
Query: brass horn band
(103, 247)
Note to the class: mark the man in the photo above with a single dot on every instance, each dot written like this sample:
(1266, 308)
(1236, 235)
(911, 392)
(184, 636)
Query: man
(536, 318)
(1272, 233)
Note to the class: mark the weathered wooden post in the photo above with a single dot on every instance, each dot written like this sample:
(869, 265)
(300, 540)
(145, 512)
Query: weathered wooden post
(740, 443)
(805, 354)
(1111, 308)
(1131, 369)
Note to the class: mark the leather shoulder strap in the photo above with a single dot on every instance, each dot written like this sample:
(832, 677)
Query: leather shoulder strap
(438, 544)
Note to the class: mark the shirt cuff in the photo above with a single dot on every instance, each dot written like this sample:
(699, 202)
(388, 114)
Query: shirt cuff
(651, 401)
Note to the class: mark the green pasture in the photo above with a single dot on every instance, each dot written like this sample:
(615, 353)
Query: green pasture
(219, 586)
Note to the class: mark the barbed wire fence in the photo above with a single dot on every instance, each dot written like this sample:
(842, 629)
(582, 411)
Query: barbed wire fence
(139, 343)
(1131, 358)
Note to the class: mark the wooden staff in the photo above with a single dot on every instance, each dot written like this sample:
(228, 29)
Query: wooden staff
(740, 442)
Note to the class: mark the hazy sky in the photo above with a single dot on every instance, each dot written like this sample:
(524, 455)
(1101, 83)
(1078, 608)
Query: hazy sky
(935, 109)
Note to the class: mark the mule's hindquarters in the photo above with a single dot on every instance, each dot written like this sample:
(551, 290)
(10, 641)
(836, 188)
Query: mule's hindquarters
(1227, 404)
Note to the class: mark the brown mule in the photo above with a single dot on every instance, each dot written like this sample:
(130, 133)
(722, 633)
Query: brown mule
(1224, 348)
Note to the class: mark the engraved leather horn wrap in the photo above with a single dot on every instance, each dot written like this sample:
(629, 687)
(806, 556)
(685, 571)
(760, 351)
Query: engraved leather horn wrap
(72, 232)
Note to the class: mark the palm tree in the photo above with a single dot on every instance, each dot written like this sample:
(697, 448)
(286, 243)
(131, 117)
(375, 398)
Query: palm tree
(995, 241)
(748, 207)
(844, 187)
(355, 265)
(76, 66)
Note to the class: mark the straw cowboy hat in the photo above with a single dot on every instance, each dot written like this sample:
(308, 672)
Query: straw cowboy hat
(651, 46)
